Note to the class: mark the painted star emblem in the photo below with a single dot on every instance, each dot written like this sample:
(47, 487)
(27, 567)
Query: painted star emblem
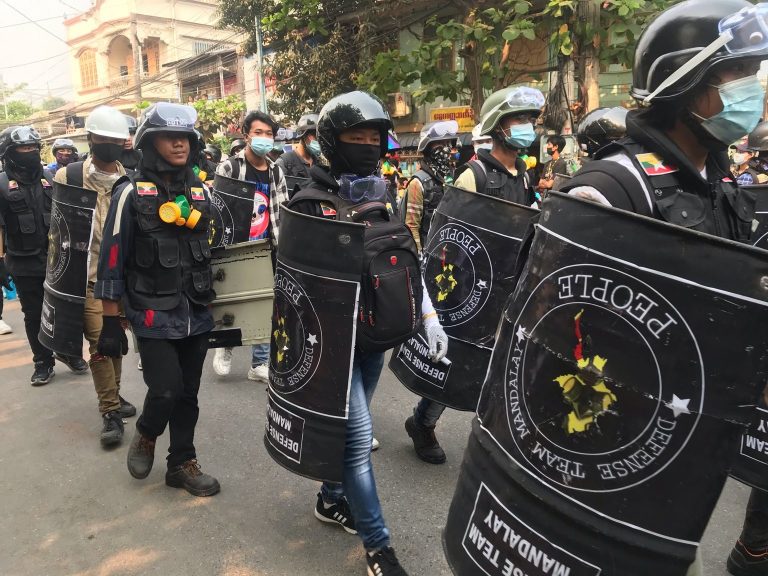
(227, 230)
(520, 333)
(482, 284)
(678, 405)
(312, 339)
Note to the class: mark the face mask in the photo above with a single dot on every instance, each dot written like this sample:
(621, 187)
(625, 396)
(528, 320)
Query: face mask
(550, 151)
(314, 149)
(63, 159)
(742, 107)
(25, 159)
(740, 158)
(261, 146)
(520, 135)
(358, 159)
(484, 146)
(107, 151)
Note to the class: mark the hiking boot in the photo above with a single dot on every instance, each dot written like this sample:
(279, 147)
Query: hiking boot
(222, 361)
(126, 409)
(384, 563)
(75, 363)
(42, 375)
(425, 442)
(141, 455)
(338, 513)
(259, 373)
(742, 562)
(192, 479)
(112, 432)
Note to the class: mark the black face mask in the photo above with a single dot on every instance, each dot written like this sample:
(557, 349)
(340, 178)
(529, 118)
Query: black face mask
(25, 159)
(107, 151)
(358, 159)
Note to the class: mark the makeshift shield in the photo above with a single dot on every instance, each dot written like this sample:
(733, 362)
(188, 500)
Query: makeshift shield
(617, 391)
(232, 208)
(294, 184)
(66, 275)
(317, 285)
(468, 268)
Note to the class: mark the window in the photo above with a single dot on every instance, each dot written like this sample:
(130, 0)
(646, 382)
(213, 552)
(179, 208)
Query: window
(150, 57)
(88, 76)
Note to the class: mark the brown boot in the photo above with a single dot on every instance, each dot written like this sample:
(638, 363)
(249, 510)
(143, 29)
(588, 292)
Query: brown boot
(192, 479)
(141, 456)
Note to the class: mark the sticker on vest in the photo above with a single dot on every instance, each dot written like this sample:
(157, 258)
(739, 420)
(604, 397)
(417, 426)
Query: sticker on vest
(146, 189)
(45, 183)
(328, 209)
(727, 179)
(653, 165)
(12, 185)
(197, 194)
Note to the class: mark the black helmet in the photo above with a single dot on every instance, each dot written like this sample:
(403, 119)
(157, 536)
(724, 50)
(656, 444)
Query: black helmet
(63, 144)
(132, 124)
(601, 126)
(758, 138)
(215, 153)
(678, 34)
(18, 136)
(167, 117)
(346, 111)
(237, 145)
(307, 123)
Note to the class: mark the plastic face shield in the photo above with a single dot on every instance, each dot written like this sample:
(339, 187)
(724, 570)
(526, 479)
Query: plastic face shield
(369, 189)
(743, 33)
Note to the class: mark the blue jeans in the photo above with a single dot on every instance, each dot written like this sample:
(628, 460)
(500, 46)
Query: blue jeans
(427, 413)
(259, 355)
(359, 485)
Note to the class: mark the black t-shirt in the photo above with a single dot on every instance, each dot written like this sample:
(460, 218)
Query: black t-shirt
(293, 165)
(259, 228)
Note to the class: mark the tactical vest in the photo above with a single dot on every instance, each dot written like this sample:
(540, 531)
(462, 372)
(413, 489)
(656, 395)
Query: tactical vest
(168, 260)
(433, 193)
(28, 220)
(493, 182)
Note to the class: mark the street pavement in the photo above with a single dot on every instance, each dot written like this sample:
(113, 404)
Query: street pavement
(70, 508)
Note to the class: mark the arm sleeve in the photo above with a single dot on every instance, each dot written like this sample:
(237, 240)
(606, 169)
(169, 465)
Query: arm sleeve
(414, 209)
(61, 176)
(116, 246)
(466, 180)
(426, 301)
(225, 168)
(278, 197)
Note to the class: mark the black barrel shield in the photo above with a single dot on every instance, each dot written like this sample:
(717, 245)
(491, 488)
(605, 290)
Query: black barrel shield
(751, 465)
(66, 275)
(627, 362)
(232, 209)
(468, 267)
(317, 285)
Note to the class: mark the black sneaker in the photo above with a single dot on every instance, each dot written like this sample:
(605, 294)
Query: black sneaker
(42, 375)
(75, 363)
(190, 477)
(384, 563)
(141, 455)
(742, 562)
(112, 432)
(425, 442)
(338, 513)
(126, 409)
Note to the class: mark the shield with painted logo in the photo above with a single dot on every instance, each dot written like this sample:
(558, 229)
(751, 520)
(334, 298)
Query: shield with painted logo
(317, 285)
(232, 210)
(618, 389)
(66, 275)
(468, 267)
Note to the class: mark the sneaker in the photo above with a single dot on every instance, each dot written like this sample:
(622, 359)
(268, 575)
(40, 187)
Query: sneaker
(112, 432)
(141, 455)
(75, 363)
(375, 445)
(192, 479)
(139, 366)
(126, 409)
(259, 373)
(384, 563)
(742, 562)
(425, 442)
(338, 513)
(42, 375)
(4, 328)
(222, 361)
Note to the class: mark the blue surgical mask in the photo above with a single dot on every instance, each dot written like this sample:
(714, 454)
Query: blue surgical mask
(742, 108)
(261, 146)
(314, 148)
(520, 135)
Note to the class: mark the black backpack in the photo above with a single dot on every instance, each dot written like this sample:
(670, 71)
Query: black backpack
(389, 312)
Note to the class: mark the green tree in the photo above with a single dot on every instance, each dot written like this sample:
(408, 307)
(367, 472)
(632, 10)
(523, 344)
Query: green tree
(216, 116)
(53, 102)
(17, 110)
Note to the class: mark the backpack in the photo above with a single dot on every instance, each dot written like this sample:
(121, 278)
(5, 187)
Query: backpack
(389, 311)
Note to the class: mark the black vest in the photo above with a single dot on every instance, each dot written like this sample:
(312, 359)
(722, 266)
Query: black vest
(500, 184)
(29, 216)
(433, 194)
(168, 260)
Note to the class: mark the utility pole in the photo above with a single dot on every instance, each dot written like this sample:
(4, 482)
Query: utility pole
(137, 60)
(589, 11)
(5, 104)
(260, 58)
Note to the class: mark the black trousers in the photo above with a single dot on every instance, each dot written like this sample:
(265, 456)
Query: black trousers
(172, 370)
(1, 305)
(754, 535)
(30, 290)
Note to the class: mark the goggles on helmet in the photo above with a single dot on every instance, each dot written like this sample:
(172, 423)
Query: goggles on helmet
(24, 135)
(439, 129)
(741, 33)
(369, 189)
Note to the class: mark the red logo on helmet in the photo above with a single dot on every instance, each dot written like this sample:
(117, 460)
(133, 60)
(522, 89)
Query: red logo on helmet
(393, 260)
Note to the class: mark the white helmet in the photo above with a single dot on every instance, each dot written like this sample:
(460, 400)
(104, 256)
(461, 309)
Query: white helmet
(107, 121)
(477, 137)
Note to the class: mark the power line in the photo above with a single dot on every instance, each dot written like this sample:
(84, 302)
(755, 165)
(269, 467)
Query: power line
(28, 19)
(29, 22)
(34, 61)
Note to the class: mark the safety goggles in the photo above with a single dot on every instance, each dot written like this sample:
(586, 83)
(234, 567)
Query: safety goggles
(742, 33)
(25, 135)
(368, 189)
(444, 128)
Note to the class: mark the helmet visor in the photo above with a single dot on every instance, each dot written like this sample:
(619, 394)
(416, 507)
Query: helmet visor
(175, 115)
(24, 135)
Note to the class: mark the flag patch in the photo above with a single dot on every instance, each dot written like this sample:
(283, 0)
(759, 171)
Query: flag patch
(146, 189)
(328, 209)
(197, 193)
(653, 165)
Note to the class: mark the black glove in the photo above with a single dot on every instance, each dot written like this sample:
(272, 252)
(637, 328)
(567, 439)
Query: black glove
(112, 342)
(5, 278)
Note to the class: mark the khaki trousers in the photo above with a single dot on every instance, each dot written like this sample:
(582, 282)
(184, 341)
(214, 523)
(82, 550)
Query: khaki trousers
(105, 371)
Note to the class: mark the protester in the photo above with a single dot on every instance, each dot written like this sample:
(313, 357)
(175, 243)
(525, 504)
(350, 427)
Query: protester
(756, 171)
(253, 165)
(557, 165)
(5, 282)
(740, 165)
(305, 152)
(212, 157)
(130, 157)
(480, 142)
(156, 259)
(25, 213)
(237, 145)
(64, 151)
(673, 163)
(107, 131)
(601, 127)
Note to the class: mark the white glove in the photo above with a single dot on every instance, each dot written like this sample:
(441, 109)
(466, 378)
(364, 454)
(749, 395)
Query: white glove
(589, 193)
(437, 339)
